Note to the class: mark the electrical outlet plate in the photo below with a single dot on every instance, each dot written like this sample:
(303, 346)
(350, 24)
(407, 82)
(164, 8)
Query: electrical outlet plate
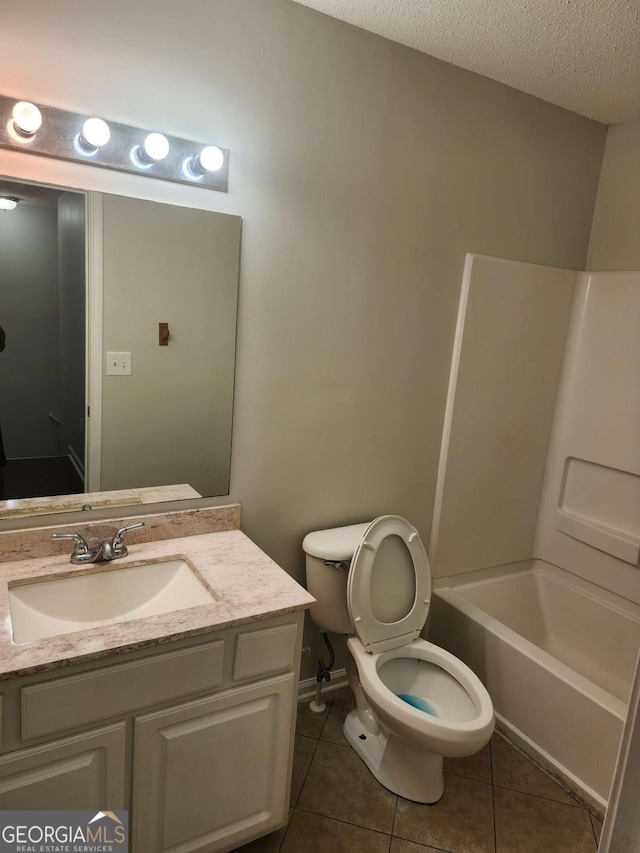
(118, 364)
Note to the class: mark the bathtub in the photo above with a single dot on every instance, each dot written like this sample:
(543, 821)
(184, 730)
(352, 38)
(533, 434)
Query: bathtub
(557, 655)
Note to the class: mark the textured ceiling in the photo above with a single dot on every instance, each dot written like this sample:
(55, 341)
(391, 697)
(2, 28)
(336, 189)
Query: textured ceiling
(583, 55)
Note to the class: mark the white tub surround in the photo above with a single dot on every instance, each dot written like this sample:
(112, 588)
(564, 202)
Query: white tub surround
(540, 458)
(557, 655)
(589, 518)
(506, 362)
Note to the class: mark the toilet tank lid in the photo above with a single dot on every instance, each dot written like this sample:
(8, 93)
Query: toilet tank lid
(336, 543)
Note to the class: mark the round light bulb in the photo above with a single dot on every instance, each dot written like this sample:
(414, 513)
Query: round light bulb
(211, 158)
(27, 118)
(156, 146)
(95, 132)
(7, 203)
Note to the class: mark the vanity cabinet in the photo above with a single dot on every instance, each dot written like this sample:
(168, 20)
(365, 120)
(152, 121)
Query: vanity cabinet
(82, 772)
(194, 738)
(188, 793)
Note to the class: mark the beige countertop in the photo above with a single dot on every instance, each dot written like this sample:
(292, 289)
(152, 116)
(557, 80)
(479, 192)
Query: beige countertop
(247, 584)
(96, 500)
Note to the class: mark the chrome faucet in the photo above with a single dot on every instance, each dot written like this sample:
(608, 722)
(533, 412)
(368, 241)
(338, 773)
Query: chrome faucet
(96, 551)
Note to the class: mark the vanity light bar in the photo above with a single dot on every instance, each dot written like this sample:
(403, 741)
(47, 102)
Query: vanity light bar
(50, 132)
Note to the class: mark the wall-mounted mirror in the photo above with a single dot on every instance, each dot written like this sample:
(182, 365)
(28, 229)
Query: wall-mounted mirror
(118, 369)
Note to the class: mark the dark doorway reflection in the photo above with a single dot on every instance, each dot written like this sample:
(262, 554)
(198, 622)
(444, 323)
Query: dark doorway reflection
(35, 478)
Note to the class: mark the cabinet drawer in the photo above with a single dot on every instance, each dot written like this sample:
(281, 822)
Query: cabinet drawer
(266, 651)
(78, 700)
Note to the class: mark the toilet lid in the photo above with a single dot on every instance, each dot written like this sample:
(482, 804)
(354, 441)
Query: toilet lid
(389, 585)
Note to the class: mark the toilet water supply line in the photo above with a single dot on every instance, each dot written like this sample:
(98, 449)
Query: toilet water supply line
(323, 674)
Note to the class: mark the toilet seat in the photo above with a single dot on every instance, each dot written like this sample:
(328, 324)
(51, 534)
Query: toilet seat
(370, 582)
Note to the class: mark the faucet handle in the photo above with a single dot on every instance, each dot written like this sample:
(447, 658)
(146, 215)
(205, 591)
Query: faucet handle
(117, 542)
(81, 546)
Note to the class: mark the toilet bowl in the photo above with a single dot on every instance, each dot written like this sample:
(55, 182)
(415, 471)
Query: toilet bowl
(415, 702)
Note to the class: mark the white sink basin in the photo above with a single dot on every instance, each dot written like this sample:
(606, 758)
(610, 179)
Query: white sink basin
(57, 606)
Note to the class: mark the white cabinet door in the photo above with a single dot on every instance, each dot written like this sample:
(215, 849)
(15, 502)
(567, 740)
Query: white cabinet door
(82, 772)
(213, 773)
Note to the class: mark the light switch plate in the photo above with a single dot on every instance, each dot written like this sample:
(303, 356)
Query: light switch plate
(118, 364)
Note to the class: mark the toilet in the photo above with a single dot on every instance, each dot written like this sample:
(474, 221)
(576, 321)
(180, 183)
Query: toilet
(415, 702)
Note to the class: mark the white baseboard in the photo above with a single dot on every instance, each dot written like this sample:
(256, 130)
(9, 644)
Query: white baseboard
(307, 687)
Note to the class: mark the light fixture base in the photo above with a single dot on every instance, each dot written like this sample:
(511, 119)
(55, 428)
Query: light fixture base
(60, 131)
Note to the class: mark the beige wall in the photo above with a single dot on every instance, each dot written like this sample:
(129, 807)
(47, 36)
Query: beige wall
(615, 236)
(170, 421)
(363, 171)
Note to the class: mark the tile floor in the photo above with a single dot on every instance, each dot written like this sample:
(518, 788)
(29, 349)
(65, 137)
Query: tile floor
(494, 802)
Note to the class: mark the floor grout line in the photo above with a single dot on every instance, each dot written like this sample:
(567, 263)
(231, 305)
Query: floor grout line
(347, 822)
(286, 830)
(293, 806)
(548, 772)
(313, 755)
(540, 797)
(393, 822)
(493, 799)
(593, 830)
(326, 717)
(420, 844)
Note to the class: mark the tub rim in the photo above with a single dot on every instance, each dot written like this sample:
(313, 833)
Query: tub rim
(447, 590)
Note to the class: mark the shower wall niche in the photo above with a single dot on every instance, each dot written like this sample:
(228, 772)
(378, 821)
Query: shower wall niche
(589, 517)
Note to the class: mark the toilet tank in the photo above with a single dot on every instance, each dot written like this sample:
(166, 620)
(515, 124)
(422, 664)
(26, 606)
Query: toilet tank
(329, 554)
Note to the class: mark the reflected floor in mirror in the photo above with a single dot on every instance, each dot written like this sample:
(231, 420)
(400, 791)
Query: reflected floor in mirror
(497, 801)
(33, 478)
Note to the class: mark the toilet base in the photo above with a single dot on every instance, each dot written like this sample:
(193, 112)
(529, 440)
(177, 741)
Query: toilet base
(411, 773)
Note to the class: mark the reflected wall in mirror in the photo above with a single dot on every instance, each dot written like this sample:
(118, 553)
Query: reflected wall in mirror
(169, 421)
